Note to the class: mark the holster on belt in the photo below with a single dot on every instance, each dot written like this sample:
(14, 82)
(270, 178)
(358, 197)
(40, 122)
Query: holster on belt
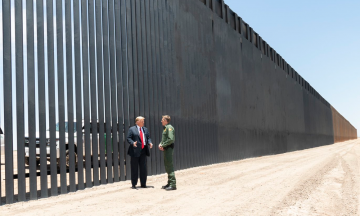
(169, 146)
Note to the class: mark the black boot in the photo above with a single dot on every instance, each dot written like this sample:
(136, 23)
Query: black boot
(170, 188)
(165, 186)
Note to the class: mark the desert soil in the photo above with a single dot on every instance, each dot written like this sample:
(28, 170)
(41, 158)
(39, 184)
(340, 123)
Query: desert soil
(318, 181)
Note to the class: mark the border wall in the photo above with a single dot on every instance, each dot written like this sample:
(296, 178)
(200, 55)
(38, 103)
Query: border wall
(343, 130)
(92, 66)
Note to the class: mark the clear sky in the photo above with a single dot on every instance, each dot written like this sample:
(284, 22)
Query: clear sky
(319, 39)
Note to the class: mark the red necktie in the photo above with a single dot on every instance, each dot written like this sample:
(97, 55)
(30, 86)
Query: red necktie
(142, 139)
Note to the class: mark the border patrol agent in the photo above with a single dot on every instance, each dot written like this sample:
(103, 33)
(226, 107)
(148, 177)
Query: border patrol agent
(167, 146)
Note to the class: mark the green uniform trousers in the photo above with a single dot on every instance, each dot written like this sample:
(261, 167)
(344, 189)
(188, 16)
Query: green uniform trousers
(169, 167)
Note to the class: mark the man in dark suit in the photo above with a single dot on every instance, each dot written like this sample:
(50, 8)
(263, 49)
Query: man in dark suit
(139, 139)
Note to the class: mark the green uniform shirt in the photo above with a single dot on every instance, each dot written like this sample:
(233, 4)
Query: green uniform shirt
(168, 136)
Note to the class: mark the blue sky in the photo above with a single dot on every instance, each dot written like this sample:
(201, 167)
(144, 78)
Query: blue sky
(319, 39)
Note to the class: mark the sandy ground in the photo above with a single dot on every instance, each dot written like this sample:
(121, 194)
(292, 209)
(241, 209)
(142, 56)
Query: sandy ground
(318, 181)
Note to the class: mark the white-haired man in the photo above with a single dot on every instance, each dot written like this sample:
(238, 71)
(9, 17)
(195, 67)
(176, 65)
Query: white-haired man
(139, 139)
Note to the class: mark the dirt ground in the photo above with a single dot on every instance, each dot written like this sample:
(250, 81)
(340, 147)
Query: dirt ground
(318, 181)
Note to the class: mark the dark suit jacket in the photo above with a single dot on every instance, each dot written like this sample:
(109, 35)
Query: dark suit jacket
(133, 136)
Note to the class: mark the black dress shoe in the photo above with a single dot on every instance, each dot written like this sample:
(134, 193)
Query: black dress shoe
(170, 188)
(165, 186)
(143, 186)
(133, 187)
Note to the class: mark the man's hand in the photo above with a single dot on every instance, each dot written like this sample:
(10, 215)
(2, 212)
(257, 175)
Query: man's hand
(161, 148)
(135, 144)
(151, 145)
